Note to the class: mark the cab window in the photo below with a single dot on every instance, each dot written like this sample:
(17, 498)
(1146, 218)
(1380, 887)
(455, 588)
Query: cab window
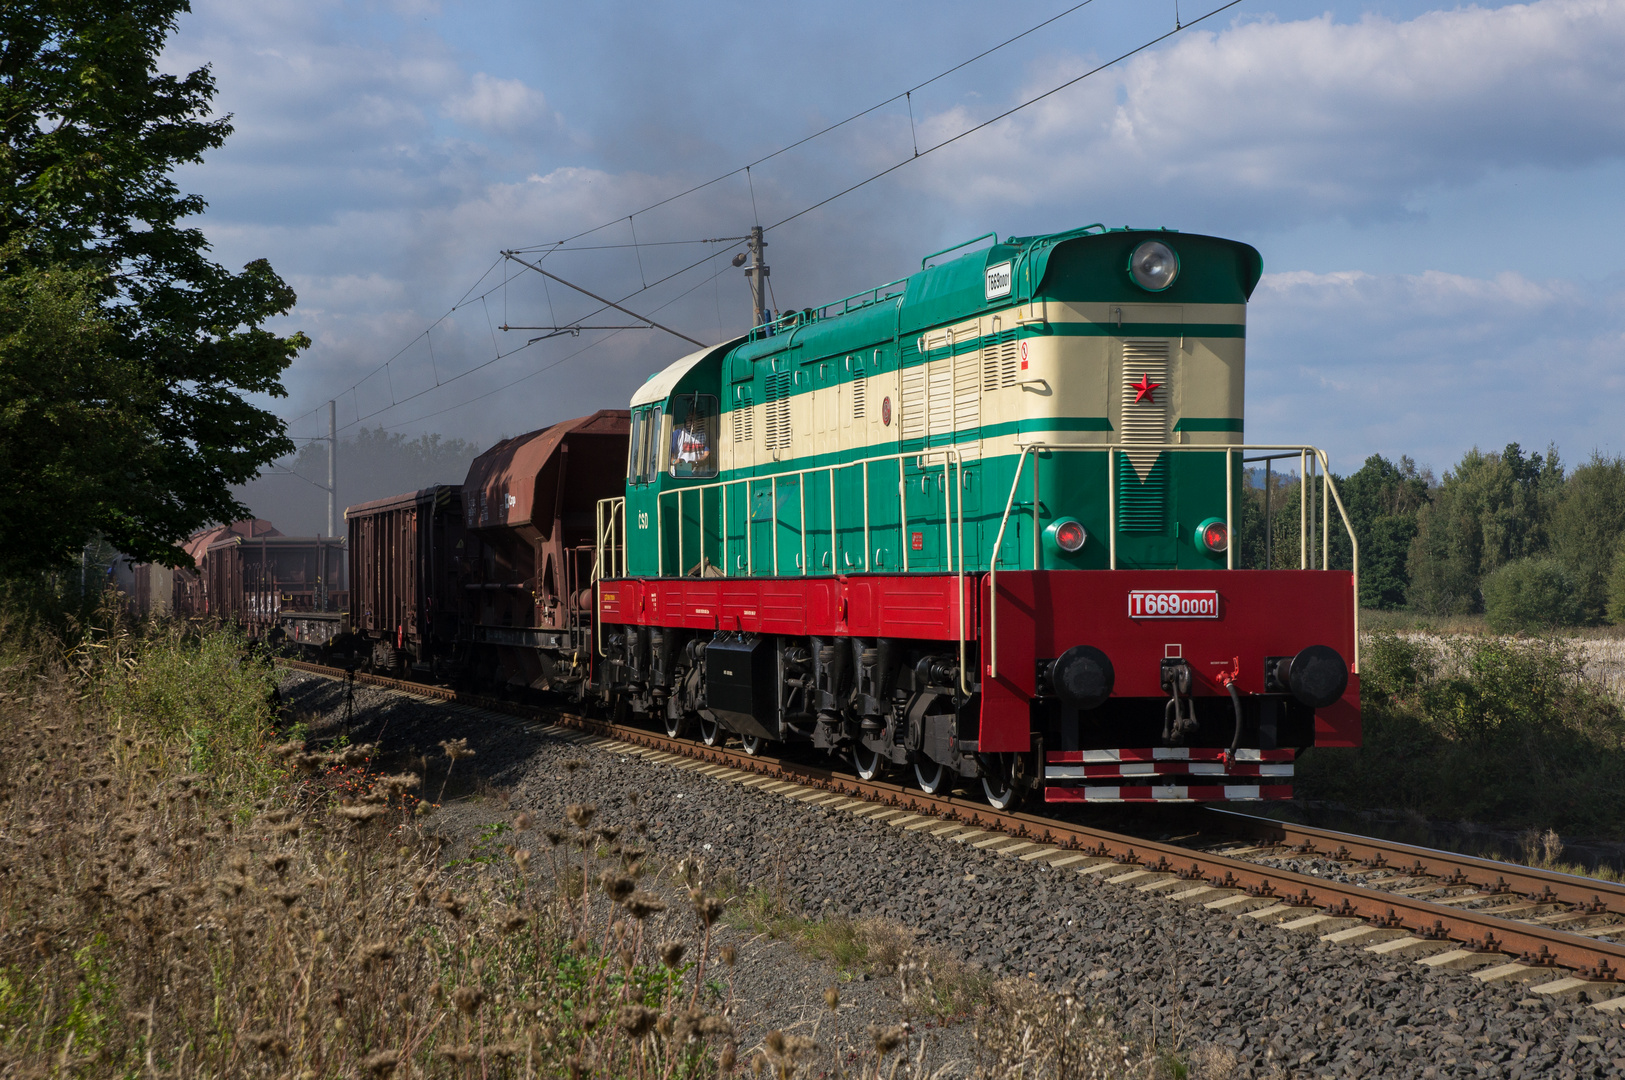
(634, 447)
(693, 447)
(649, 458)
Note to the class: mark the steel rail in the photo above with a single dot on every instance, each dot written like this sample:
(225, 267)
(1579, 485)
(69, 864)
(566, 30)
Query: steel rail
(1370, 853)
(1540, 947)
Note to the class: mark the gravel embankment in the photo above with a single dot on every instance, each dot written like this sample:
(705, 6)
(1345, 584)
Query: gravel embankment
(1279, 1003)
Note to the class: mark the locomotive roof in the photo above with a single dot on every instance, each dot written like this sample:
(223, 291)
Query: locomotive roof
(663, 382)
(1088, 263)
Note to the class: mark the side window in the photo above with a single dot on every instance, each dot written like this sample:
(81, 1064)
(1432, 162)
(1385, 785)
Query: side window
(649, 460)
(634, 447)
(693, 450)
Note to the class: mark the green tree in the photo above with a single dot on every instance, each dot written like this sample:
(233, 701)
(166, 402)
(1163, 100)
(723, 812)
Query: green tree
(1490, 509)
(1586, 527)
(1529, 594)
(1383, 500)
(137, 431)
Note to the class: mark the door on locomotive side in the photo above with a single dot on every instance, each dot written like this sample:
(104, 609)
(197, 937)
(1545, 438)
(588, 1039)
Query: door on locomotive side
(881, 436)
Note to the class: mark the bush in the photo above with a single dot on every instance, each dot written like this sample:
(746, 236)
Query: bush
(1508, 732)
(1529, 594)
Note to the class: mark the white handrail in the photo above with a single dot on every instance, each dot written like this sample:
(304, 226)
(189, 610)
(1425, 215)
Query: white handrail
(1306, 455)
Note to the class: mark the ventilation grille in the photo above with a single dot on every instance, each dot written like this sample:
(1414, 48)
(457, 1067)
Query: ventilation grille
(744, 414)
(999, 360)
(914, 424)
(1145, 411)
(1143, 474)
(858, 392)
(1140, 503)
(777, 421)
(943, 398)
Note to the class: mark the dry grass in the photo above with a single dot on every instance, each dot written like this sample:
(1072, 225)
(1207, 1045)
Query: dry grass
(184, 895)
(182, 898)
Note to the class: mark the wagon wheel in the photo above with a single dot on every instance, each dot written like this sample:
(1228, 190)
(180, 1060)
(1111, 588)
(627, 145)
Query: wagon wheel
(753, 744)
(677, 725)
(868, 763)
(710, 732)
(930, 775)
(999, 781)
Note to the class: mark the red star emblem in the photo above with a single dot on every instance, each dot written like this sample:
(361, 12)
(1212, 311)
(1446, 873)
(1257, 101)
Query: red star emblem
(1143, 389)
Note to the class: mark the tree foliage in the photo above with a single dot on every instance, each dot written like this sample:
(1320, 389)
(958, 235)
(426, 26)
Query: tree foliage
(1529, 595)
(125, 352)
(1587, 523)
(1492, 508)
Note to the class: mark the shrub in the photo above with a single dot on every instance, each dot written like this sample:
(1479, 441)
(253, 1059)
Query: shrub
(1504, 731)
(1529, 594)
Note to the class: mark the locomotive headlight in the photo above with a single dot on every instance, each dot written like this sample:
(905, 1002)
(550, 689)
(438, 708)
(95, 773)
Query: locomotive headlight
(1213, 536)
(1067, 534)
(1153, 266)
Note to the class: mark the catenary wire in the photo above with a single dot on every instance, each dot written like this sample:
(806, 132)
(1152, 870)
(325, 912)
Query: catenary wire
(902, 95)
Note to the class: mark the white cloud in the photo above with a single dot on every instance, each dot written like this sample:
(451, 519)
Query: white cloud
(1429, 364)
(1289, 121)
(502, 106)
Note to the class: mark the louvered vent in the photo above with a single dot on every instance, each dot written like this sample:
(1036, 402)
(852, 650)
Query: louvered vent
(777, 420)
(999, 360)
(858, 385)
(967, 415)
(940, 387)
(1143, 474)
(744, 414)
(914, 397)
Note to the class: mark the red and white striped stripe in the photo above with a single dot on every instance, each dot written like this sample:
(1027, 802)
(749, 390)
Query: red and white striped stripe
(1169, 793)
(1163, 753)
(1200, 768)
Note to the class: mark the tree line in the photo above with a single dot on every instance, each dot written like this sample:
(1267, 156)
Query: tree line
(1514, 536)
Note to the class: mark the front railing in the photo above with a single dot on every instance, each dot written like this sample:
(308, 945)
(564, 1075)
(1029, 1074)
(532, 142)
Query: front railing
(611, 530)
(1311, 462)
(608, 551)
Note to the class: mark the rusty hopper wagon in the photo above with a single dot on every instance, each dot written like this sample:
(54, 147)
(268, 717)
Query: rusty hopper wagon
(258, 583)
(528, 594)
(407, 553)
(189, 599)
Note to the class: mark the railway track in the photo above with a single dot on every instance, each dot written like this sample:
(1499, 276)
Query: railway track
(1497, 922)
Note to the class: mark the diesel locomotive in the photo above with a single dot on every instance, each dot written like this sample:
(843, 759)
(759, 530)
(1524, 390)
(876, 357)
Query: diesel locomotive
(975, 524)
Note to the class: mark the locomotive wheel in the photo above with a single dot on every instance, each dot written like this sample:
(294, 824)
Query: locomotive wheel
(710, 732)
(868, 763)
(998, 781)
(930, 775)
(676, 725)
(753, 744)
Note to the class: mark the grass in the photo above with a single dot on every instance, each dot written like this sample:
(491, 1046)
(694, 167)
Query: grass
(935, 984)
(184, 893)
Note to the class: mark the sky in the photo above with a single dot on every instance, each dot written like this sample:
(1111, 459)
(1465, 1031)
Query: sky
(1435, 190)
